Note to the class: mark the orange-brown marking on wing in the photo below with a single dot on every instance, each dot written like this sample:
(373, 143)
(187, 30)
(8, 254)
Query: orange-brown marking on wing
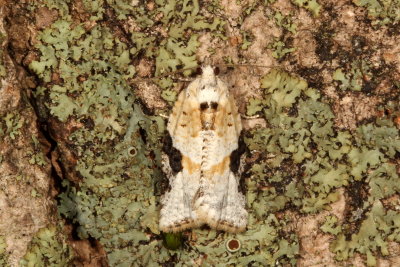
(185, 119)
(193, 119)
(189, 165)
(175, 115)
(221, 118)
(219, 169)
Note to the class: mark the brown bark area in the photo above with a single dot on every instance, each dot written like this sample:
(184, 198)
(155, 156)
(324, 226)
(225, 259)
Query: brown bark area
(29, 165)
(27, 193)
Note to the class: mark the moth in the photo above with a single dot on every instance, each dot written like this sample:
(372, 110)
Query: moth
(203, 148)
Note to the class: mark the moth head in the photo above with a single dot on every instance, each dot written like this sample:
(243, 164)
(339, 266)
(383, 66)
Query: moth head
(208, 78)
(210, 89)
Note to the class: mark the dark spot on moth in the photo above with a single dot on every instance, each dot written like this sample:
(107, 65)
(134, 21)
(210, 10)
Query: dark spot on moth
(174, 155)
(203, 106)
(236, 154)
(214, 105)
(216, 70)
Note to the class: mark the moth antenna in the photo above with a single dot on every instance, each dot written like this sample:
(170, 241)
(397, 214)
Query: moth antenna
(247, 65)
(198, 70)
(166, 74)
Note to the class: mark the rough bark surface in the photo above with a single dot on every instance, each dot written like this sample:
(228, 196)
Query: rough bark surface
(84, 85)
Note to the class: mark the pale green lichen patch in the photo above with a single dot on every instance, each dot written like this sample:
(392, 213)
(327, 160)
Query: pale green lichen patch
(84, 71)
(13, 123)
(285, 22)
(247, 40)
(169, 95)
(116, 203)
(331, 225)
(3, 252)
(305, 160)
(379, 227)
(48, 248)
(37, 158)
(280, 49)
(177, 18)
(352, 79)
(300, 128)
(311, 5)
(381, 12)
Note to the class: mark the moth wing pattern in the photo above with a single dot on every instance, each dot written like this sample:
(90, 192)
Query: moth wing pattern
(177, 213)
(204, 127)
(219, 202)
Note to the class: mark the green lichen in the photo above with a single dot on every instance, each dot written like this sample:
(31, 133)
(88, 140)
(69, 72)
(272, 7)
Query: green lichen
(381, 12)
(254, 106)
(37, 158)
(181, 16)
(383, 136)
(169, 95)
(279, 49)
(48, 248)
(246, 40)
(311, 5)
(13, 123)
(380, 226)
(116, 202)
(3, 252)
(306, 160)
(331, 225)
(352, 79)
(285, 22)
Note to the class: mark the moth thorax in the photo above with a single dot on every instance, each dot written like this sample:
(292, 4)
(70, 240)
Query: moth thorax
(208, 112)
(208, 94)
(207, 120)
